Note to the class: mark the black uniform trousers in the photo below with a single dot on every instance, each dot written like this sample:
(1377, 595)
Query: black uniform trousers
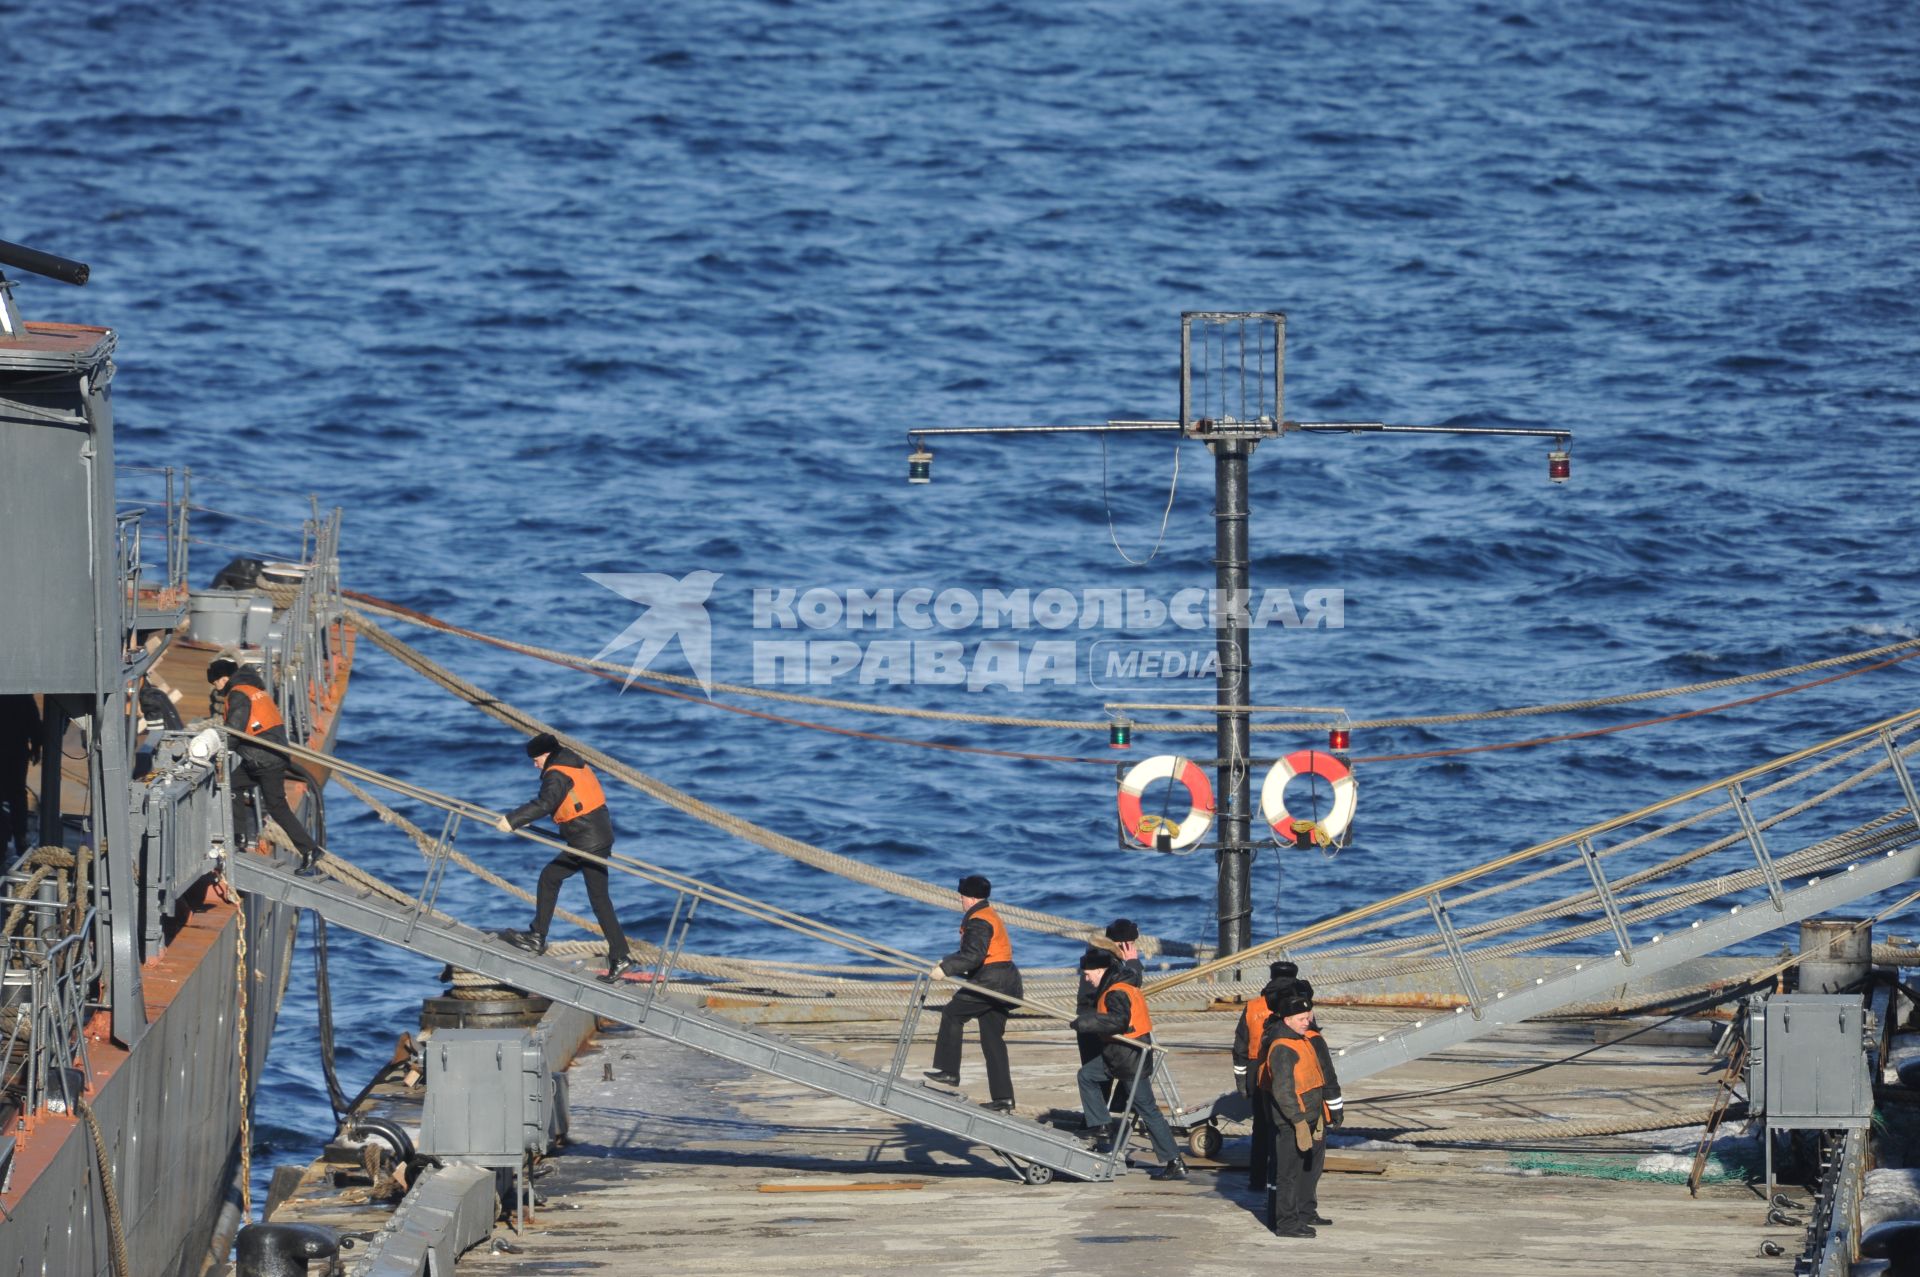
(1260, 1155)
(1310, 1190)
(558, 870)
(1290, 1197)
(992, 1013)
(269, 780)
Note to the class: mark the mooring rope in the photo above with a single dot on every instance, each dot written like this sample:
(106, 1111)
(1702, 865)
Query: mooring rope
(116, 1226)
(417, 617)
(806, 853)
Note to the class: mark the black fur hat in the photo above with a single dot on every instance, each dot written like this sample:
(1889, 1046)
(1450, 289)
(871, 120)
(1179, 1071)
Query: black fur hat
(1123, 931)
(976, 886)
(1096, 960)
(1283, 970)
(544, 743)
(221, 668)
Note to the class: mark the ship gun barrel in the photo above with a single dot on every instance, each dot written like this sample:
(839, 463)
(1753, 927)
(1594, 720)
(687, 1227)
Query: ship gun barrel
(35, 262)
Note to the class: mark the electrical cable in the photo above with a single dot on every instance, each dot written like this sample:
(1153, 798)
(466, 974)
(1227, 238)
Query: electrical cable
(323, 995)
(1172, 488)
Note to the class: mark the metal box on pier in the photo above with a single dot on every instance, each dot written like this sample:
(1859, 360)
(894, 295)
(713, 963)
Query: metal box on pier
(492, 1096)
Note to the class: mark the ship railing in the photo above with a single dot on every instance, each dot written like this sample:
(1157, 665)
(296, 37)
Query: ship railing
(302, 674)
(155, 593)
(47, 983)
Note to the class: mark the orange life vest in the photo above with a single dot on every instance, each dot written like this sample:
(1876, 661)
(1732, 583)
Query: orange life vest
(585, 796)
(999, 944)
(262, 714)
(1140, 1023)
(1306, 1073)
(1256, 1028)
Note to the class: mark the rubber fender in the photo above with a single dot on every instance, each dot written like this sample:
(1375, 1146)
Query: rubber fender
(282, 1250)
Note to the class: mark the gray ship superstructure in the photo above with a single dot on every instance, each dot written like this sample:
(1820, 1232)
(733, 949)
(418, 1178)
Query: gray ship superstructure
(137, 993)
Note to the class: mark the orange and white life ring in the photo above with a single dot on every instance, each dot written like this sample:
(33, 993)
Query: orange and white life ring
(1145, 829)
(1309, 762)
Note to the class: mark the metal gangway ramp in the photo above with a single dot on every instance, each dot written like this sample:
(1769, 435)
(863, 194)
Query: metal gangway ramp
(1035, 1152)
(1585, 914)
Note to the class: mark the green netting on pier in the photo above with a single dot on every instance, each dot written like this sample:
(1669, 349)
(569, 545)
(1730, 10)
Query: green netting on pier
(1725, 1165)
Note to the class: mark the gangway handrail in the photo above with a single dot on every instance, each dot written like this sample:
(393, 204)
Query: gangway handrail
(674, 880)
(1312, 931)
(1032, 1149)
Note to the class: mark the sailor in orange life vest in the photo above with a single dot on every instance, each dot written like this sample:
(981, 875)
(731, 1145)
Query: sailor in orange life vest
(571, 794)
(1124, 936)
(251, 715)
(1300, 1080)
(1120, 1011)
(1249, 1035)
(985, 957)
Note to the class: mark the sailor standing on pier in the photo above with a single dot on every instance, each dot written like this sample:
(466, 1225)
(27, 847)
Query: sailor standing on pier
(1249, 1040)
(985, 957)
(251, 715)
(1299, 1078)
(571, 794)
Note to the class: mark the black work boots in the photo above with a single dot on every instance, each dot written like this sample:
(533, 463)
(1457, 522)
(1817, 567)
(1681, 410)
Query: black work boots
(618, 971)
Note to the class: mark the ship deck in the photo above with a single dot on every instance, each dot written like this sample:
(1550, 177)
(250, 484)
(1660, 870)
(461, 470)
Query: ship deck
(681, 1163)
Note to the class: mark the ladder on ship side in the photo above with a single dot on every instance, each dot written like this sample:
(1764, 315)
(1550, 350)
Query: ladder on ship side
(1035, 1151)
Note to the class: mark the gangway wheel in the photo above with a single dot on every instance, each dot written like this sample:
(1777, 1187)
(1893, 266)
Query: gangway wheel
(1204, 1140)
(1036, 1174)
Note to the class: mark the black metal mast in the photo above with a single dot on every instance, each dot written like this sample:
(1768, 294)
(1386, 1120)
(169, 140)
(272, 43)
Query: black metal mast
(1241, 402)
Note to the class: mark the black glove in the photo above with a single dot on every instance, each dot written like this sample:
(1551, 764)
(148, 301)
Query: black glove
(1336, 1116)
(1241, 1084)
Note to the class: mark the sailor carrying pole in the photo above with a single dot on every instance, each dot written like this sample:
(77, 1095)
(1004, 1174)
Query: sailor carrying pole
(1232, 383)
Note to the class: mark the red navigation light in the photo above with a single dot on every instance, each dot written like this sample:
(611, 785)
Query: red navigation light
(1338, 739)
(1559, 465)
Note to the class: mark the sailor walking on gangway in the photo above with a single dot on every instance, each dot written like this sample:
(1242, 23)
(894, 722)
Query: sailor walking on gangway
(1120, 1011)
(571, 794)
(251, 715)
(985, 957)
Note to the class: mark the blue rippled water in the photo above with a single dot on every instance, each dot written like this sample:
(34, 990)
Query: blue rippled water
(539, 290)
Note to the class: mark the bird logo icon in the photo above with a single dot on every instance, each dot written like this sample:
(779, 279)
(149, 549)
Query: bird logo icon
(675, 608)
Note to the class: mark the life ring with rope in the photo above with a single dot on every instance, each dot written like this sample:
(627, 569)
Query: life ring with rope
(1273, 798)
(1157, 832)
